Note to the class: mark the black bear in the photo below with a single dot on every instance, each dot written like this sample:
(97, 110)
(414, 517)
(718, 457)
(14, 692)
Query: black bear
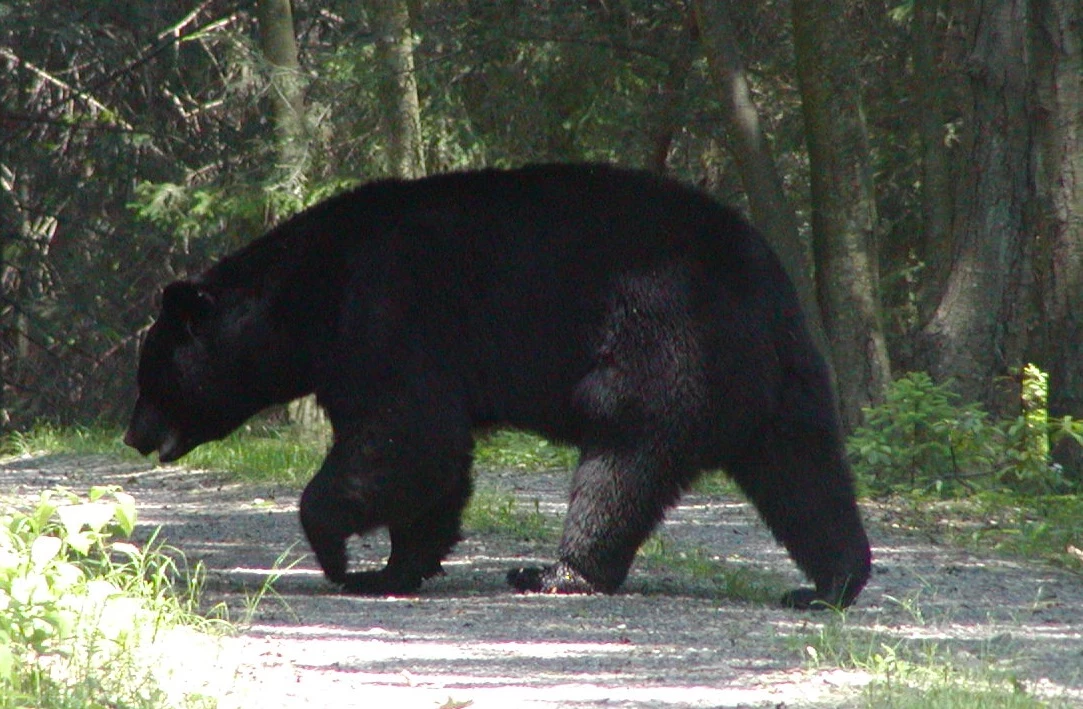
(616, 310)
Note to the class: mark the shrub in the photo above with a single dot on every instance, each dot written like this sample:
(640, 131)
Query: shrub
(923, 438)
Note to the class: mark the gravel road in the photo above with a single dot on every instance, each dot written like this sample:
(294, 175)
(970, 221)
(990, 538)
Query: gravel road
(667, 640)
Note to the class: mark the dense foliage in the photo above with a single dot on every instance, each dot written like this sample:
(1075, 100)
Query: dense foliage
(140, 140)
(923, 438)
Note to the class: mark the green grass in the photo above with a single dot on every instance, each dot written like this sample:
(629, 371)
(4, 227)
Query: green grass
(1048, 527)
(517, 450)
(912, 673)
(493, 512)
(263, 454)
(254, 453)
(46, 438)
(703, 571)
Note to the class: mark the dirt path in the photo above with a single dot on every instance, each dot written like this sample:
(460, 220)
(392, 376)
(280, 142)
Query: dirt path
(662, 642)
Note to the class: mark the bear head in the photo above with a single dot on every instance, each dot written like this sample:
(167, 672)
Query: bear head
(200, 370)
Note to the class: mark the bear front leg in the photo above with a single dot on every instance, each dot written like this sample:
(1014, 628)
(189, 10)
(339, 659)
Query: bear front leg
(419, 546)
(361, 487)
(616, 501)
(328, 518)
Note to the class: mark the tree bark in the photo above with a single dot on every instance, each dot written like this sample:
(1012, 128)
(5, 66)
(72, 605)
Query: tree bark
(844, 216)
(1058, 64)
(278, 43)
(771, 210)
(930, 87)
(671, 103)
(286, 92)
(976, 334)
(398, 87)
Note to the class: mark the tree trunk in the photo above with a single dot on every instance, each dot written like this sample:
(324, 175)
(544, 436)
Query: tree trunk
(977, 333)
(844, 210)
(771, 210)
(6, 310)
(671, 104)
(1058, 64)
(398, 87)
(286, 93)
(930, 86)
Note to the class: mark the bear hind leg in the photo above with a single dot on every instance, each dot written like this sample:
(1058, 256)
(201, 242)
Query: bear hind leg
(617, 500)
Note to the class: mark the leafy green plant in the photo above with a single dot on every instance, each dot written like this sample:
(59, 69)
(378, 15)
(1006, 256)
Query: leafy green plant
(923, 438)
(76, 598)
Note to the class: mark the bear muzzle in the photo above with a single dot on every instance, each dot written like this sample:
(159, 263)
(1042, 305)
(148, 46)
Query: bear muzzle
(149, 431)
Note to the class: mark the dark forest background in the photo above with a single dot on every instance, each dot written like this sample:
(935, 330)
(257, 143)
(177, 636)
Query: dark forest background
(918, 165)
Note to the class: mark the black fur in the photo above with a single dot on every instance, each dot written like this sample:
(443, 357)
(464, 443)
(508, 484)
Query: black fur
(618, 311)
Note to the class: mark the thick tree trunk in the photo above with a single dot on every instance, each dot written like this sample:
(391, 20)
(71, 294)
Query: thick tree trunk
(771, 210)
(278, 43)
(398, 87)
(844, 217)
(976, 335)
(1058, 64)
(286, 93)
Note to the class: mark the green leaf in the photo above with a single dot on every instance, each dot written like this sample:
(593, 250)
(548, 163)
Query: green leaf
(81, 541)
(43, 512)
(125, 512)
(43, 551)
(7, 660)
(94, 515)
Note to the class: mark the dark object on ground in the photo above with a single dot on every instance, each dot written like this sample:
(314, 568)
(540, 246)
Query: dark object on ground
(618, 311)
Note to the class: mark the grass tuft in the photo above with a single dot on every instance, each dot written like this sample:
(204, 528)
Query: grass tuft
(509, 449)
(263, 454)
(493, 512)
(907, 673)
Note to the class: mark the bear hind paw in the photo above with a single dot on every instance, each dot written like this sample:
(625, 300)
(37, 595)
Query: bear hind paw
(558, 578)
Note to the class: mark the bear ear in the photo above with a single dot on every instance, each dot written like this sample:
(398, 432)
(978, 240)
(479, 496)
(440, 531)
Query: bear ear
(186, 303)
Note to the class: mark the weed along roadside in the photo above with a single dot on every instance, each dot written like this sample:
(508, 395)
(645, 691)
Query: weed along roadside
(695, 626)
(88, 618)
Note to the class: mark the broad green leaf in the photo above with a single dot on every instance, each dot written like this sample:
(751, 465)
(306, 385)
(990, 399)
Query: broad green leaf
(125, 512)
(44, 550)
(94, 515)
(30, 589)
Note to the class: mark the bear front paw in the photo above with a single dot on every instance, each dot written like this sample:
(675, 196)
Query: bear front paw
(381, 583)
